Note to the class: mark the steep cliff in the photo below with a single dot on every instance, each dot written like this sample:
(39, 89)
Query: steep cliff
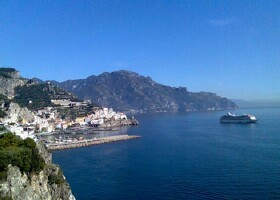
(27, 172)
(16, 113)
(9, 80)
(30, 93)
(19, 186)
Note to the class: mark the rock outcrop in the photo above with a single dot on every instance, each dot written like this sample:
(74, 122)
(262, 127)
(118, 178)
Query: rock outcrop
(49, 184)
(20, 187)
(17, 113)
(9, 80)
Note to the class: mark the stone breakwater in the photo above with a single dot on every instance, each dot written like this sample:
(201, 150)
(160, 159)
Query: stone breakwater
(89, 142)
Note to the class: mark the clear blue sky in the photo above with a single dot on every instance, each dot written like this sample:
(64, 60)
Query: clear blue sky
(228, 47)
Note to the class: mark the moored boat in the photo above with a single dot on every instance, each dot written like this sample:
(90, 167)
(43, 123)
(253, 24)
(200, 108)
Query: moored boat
(231, 118)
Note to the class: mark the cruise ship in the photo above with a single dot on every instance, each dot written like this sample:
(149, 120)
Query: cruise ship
(231, 118)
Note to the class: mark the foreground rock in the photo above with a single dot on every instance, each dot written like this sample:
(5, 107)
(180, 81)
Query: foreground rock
(49, 184)
(19, 186)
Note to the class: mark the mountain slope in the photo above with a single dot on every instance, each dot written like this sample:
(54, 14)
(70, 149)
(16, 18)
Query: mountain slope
(31, 93)
(125, 90)
(9, 79)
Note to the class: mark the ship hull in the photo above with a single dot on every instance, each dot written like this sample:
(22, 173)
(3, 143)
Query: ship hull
(228, 121)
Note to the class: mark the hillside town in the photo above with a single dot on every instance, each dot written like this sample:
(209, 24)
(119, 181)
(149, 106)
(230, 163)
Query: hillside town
(28, 124)
(35, 109)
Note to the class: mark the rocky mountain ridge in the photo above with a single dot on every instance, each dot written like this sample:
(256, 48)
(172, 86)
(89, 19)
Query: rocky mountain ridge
(126, 91)
(122, 90)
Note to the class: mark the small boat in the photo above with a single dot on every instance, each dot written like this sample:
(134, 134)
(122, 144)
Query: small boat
(231, 118)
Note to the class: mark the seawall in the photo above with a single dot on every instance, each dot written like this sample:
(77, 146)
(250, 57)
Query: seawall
(89, 142)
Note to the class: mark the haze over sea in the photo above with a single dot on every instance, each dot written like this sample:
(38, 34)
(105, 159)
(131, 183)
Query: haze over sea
(182, 156)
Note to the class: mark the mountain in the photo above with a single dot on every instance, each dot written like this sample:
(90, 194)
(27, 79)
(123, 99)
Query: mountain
(31, 93)
(38, 80)
(121, 90)
(126, 91)
(34, 95)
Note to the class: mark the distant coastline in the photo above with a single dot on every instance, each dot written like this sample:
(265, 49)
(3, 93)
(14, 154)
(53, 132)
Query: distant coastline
(257, 103)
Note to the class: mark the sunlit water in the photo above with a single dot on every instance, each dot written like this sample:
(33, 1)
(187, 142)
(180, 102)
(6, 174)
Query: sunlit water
(182, 156)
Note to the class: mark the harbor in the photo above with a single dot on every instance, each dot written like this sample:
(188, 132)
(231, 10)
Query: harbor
(68, 144)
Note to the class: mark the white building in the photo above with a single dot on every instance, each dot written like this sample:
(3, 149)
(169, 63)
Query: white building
(23, 131)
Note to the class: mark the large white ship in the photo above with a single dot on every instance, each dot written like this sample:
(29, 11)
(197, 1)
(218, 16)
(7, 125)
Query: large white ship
(231, 118)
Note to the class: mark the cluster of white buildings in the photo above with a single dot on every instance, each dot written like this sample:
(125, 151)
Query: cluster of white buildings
(101, 116)
(25, 125)
(68, 103)
(24, 131)
(48, 120)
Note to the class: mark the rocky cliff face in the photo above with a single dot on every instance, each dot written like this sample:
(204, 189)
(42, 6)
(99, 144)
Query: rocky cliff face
(125, 90)
(9, 79)
(20, 186)
(16, 113)
(49, 184)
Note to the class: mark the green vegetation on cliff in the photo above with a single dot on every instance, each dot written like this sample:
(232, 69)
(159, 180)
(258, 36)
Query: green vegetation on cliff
(4, 102)
(6, 72)
(2, 113)
(56, 178)
(33, 96)
(74, 112)
(20, 153)
(3, 97)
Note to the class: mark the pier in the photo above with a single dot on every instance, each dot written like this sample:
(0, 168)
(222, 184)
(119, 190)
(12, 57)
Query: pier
(89, 142)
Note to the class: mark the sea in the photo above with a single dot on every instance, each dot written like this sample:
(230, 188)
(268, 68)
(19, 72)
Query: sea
(181, 156)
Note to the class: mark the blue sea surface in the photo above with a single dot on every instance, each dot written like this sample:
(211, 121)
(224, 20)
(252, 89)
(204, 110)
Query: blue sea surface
(182, 156)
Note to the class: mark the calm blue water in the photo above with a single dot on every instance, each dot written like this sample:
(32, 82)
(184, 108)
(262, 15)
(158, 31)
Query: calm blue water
(182, 156)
